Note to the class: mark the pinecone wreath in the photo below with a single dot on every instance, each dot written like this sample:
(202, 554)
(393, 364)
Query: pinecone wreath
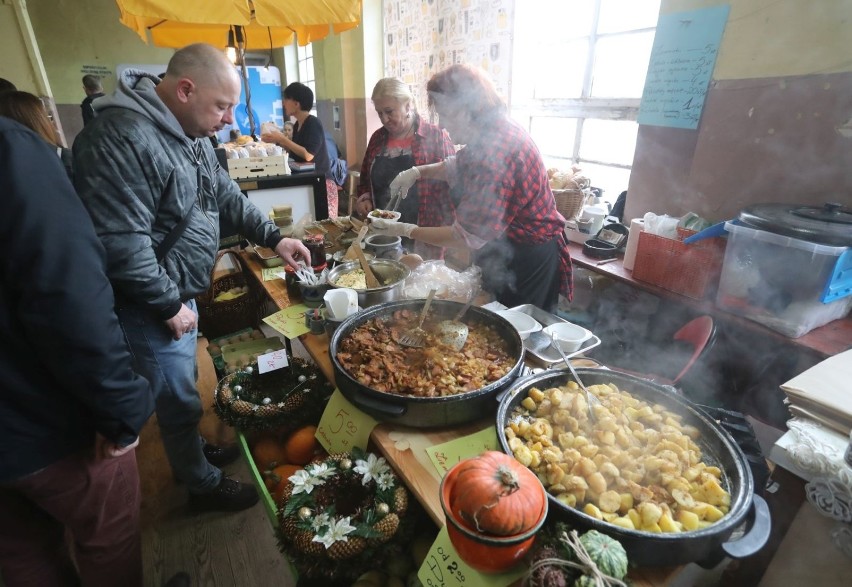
(343, 515)
(282, 400)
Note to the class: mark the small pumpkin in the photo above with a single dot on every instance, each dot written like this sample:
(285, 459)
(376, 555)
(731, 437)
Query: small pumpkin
(495, 494)
(606, 552)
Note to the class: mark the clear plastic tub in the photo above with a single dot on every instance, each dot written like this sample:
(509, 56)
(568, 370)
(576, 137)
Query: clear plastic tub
(779, 281)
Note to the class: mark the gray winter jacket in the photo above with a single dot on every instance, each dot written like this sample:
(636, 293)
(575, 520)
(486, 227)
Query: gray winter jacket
(138, 175)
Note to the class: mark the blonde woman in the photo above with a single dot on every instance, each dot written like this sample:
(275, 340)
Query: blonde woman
(405, 140)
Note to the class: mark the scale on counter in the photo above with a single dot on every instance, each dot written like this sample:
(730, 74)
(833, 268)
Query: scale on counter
(608, 242)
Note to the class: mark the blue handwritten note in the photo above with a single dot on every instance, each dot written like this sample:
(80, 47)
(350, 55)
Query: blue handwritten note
(682, 62)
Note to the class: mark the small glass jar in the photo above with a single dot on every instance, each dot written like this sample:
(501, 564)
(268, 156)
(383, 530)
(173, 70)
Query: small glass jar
(316, 246)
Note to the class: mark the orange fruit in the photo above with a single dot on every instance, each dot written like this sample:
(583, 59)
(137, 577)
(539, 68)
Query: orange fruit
(301, 445)
(279, 476)
(268, 453)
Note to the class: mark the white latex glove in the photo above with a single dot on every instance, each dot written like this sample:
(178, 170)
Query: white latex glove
(403, 182)
(106, 449)
(391, 227)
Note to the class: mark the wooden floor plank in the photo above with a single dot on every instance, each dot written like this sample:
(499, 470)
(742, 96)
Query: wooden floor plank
(216, 549)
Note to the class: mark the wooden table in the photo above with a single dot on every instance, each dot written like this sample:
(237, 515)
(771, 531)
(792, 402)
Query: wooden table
(404, 447)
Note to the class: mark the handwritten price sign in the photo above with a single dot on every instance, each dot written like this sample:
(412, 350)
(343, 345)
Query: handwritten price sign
(343, 426)
(443, 567)
(444, 456)
(272, 361)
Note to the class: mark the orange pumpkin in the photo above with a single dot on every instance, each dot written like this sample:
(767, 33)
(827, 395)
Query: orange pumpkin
(302, 445)
(268, 453)
(497, 495)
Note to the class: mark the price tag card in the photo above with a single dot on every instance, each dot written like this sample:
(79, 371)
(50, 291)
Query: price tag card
(343, 426)
(443, 567)
(444, 456)
(272, 361)
(270, 273)
(290, 321)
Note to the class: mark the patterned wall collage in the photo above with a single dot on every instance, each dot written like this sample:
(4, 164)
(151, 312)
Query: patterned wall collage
(422, 37)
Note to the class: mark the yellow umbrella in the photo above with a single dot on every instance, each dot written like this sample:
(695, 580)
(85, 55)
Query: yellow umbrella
(263, 23)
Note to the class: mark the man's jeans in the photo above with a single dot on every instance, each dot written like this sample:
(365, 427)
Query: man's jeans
(170, 367)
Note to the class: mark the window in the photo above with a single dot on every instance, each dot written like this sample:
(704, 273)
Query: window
(306, 70)
(577, 77)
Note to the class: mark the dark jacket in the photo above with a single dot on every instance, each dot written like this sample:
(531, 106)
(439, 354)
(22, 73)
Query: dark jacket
(139, 174)
(88, 109)
(65, 371)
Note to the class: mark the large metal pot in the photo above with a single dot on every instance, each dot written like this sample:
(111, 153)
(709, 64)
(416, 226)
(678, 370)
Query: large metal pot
(426, 412)
(389, 272)
(748, 515)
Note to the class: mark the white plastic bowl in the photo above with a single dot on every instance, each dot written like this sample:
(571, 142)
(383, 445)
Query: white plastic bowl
(523, 323)
(569, 336)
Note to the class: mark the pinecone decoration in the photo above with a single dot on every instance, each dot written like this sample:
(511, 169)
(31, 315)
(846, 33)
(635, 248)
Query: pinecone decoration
(267, 411)
(225, 394)
(341, 550)
(242, 407)
(304, 541)
(400, 500)
(294, 401)
(387, 526)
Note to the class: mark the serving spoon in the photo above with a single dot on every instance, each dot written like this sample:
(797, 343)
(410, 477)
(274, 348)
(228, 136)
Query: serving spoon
(591, 399)
(453, 333)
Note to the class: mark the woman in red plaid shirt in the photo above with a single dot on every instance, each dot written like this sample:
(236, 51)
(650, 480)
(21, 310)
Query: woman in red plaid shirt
(505, 212)
(404, 140)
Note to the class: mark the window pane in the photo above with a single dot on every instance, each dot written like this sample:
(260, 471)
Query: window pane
(618, 15)
(610, 141)
(546, 19)
(621, 63)
(612, 180)
(554, 136)
(560, 73)
(303, 70)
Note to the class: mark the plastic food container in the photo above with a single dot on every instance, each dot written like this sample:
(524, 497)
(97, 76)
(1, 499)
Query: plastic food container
(788, 284)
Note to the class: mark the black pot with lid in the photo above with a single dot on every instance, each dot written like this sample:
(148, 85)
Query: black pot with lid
(829, 224)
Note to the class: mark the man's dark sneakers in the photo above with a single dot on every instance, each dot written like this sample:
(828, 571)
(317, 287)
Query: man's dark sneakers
(179, 580)
(229, 495)
(219, 456)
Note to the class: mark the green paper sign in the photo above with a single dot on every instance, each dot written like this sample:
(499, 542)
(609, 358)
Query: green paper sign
(270, 273)
(444, 456)
(443, 567)
(290, 321)
(343, 426)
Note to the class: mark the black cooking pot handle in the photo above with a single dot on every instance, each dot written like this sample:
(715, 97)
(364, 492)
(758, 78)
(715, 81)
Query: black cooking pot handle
(369, 404)
(753, 540)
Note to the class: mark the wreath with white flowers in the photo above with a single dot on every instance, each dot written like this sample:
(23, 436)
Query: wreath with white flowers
(338, 514)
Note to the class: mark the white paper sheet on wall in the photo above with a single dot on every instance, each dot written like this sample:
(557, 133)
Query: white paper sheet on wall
(681, 64)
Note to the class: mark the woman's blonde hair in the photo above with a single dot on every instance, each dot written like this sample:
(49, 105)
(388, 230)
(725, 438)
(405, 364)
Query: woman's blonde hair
(391, 87)
(29, 110)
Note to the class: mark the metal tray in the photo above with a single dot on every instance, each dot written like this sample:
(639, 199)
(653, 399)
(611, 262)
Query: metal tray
(538, 344)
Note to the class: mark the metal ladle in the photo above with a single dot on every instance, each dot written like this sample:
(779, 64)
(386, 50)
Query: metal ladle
(453, 333)
(591, 399)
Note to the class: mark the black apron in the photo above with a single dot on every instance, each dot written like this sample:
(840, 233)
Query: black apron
(518, 274)
(382, 173)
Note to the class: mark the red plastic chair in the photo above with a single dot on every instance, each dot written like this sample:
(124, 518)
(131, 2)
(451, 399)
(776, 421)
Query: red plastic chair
(699, 333)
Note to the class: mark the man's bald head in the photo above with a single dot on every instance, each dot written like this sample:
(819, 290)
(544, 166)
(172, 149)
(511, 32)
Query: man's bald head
(202, 63)
(201, 88)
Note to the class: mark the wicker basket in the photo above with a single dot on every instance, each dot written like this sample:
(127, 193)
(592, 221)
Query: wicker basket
(569, 202)
(691, 270)
(223, 317)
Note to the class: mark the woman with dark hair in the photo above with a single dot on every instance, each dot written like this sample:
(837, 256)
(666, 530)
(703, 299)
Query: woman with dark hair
(29, 110)
(404, 139)
(308, 142)
(505, 212)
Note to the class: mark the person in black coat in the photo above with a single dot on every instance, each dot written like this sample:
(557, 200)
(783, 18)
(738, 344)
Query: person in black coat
(71, 405)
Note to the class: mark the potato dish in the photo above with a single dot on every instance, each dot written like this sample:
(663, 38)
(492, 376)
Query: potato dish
(354, 279)
(637, 466)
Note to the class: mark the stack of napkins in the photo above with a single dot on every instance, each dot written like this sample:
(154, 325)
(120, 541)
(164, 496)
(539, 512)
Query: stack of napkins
(823, 393)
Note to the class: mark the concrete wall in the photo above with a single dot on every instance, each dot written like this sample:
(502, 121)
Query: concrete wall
(776, 122)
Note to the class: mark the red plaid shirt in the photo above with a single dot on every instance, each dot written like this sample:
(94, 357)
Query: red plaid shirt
(430, 145)
(504, 189)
